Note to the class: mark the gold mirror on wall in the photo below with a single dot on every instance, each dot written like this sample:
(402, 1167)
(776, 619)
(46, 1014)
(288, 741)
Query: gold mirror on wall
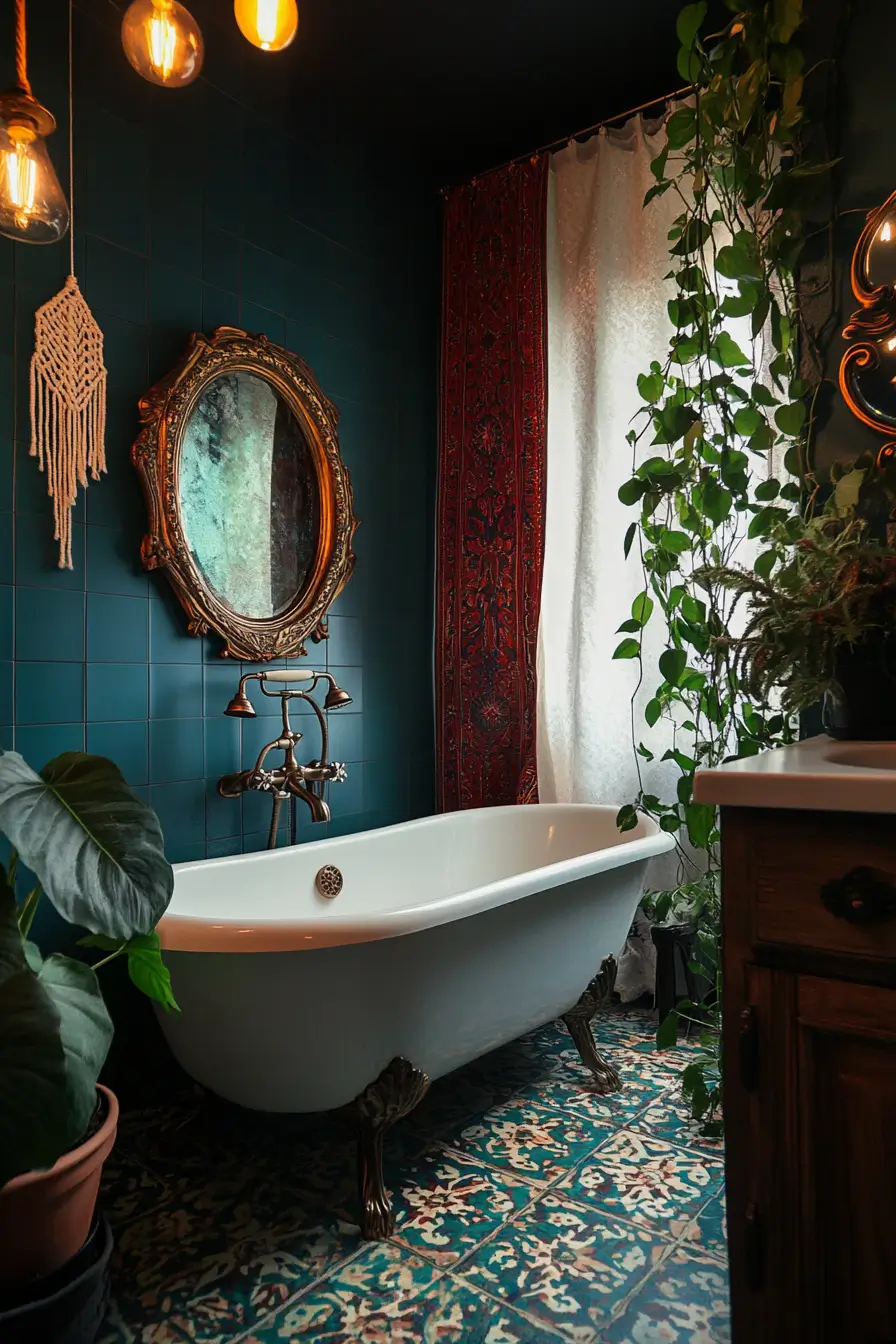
(250, 507)
(868, 369)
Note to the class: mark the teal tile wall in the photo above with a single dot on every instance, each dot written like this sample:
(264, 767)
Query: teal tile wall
(233, 201)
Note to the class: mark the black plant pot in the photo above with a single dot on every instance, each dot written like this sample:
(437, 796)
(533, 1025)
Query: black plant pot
(66, 1307)
(863, 707)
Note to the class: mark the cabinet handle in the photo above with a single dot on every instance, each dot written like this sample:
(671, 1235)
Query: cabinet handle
(749, 1049)
(754, 1247)
(861, 896)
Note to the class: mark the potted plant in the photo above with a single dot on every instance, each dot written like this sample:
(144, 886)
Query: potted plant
(821, 618)
(96, 852)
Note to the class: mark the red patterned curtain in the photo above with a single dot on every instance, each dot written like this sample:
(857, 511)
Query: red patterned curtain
(491, 487)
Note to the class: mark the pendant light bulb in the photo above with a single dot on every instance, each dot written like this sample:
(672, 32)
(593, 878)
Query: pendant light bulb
(33, 208)
(163, 42)
(268, 24)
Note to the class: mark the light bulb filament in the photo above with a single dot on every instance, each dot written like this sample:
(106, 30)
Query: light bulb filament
(20, 172)
(162, 43)
(886, 233)
(266, 22)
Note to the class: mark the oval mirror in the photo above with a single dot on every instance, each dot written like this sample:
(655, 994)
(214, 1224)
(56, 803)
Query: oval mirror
(248, 495)
(250, 505)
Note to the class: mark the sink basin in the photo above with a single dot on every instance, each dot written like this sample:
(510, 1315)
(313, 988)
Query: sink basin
(865, 755)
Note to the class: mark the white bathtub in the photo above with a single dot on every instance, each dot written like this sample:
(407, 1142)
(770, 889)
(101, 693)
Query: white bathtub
(451, 936)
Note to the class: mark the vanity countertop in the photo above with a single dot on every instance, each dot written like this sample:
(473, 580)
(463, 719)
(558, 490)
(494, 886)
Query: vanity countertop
(819, 774)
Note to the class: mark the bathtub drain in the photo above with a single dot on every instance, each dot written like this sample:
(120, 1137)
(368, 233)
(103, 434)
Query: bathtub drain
(329, 880)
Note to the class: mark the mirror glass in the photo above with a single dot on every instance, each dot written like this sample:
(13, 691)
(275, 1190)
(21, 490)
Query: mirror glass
(249, 495)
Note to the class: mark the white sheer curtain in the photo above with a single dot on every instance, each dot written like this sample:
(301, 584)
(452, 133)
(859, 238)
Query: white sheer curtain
(607, 320)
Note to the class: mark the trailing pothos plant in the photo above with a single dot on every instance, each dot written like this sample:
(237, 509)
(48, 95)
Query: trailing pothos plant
(95, 851)
(725, 403)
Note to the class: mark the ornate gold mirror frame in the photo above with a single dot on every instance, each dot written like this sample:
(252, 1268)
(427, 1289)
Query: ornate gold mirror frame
(156, 454)
(868, 369)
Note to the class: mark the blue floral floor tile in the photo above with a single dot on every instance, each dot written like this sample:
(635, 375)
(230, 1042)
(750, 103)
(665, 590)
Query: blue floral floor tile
(386, 1294)
(528, 1209)
(537, 1142)
(647, 1180)
(684, 1302)
(566, 1265)
(707, 1232)
(668, 1117)
(447, 1204)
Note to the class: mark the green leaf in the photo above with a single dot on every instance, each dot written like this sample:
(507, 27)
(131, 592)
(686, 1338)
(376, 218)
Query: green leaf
(676, 542)
(765, 563)
(767, 489)
(747, 420)
(85, 1029)
(148, 971)
(667, 1032)
(652, 712)
(627, 818)
(95, 847)
(788, 15)
(725, 351)
(672, 664)
(629, 648)
(736, 263)
(670, 822)
(35, 1125)
(631, 491)
(700, 820)
(642, 608)
(629, 538)
(695, 233)
(650, 386)
(716, 502)
(658, 165)
(681, 127)
(688, 22)
(791, 418)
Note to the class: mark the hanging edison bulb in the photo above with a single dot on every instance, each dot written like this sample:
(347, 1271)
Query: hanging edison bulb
(33, 208)
(268, 24)
(162, 41)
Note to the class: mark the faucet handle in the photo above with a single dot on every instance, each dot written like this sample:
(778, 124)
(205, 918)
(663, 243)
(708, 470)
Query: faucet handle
(340, 774)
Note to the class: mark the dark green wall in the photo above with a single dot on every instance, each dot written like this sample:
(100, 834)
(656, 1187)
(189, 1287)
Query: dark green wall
(245, 199)
(226, 202)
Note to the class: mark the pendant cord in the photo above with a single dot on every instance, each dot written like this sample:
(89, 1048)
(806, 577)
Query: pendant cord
(71, 141)
(21, 48)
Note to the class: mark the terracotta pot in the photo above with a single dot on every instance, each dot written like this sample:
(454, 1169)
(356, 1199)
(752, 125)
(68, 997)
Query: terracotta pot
(45, 1216)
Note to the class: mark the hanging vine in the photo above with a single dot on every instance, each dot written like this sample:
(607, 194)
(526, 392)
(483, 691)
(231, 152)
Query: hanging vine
(726, 404)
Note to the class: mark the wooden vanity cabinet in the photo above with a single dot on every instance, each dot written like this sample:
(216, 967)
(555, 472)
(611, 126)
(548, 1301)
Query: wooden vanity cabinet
(809, 952)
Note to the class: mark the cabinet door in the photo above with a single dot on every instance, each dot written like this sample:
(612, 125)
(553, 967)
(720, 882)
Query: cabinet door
(847, 1120)
(762, 1155)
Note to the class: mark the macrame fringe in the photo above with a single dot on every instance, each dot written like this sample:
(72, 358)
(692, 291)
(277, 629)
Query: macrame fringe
(68, 404)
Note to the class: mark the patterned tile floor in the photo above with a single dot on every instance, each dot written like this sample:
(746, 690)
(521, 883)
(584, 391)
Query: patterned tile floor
(529, 1210)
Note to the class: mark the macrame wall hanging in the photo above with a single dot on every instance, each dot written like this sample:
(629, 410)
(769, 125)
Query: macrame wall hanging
(68, 381)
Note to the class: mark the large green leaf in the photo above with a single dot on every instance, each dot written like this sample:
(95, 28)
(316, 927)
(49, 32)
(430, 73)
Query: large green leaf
(35, 1121)
(86, 1031)
(95, 846)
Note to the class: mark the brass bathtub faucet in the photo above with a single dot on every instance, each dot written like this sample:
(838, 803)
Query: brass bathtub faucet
(289, 780)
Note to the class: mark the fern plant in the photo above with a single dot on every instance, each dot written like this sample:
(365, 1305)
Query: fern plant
(716, 411)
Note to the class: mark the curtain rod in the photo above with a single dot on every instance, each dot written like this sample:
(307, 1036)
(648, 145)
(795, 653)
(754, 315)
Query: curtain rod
(578, 135)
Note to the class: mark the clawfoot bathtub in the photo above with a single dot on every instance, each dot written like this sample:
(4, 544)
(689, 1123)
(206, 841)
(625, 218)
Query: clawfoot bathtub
(355, 971)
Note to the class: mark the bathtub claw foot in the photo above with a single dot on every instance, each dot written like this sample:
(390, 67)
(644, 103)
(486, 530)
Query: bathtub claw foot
(399, 1088)
(578, 1024)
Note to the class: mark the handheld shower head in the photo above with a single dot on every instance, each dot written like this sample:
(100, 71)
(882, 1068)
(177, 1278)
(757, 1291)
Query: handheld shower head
(336, 697)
